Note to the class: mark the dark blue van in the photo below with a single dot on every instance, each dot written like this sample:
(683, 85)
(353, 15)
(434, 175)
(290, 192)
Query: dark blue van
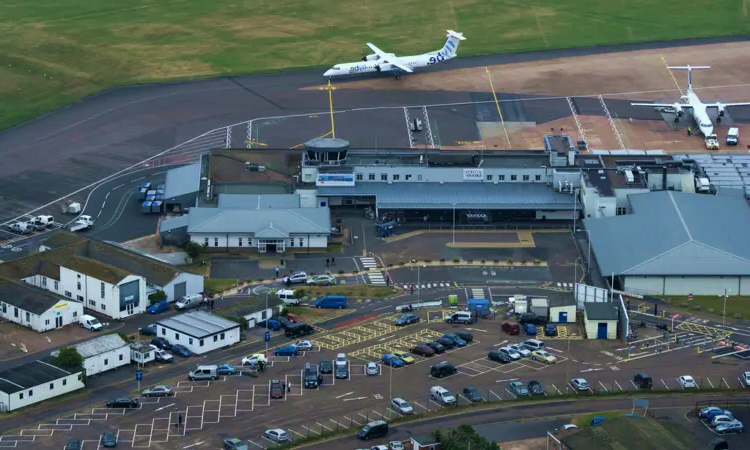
(331, 301)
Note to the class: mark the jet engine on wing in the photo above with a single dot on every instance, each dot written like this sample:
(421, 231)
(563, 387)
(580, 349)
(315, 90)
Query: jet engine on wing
(371, 58)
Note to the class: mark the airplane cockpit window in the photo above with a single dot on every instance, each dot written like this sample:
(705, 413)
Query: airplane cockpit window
(705, 124)
(336, 68)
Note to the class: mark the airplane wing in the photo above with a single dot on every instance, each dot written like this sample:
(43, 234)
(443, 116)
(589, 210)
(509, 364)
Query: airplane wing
(376, 50)
(403, 67)
(716, 105)
(662, 105)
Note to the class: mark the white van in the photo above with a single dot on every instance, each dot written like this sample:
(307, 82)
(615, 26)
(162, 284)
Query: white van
(442, 395)
(287, 297)
(90, 323)
(203, 373)
(459, 317)
(189, 301)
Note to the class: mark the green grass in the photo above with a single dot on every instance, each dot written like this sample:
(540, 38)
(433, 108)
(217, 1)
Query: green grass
(219, 284)
(738, 304)
(353, 290)
(585, 419)
(55, 52)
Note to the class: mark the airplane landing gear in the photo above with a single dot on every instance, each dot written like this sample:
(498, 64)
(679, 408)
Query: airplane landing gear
(398, 77)
(677, 119)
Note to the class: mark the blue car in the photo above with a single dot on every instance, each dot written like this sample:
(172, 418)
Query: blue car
(459, 342)
(550, 329)
(159, 307)
(226, 369)
(287, 350)
(181, 350)
(530, 329)
(391, 360)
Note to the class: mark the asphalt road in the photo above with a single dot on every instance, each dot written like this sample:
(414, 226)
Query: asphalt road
(61, 152)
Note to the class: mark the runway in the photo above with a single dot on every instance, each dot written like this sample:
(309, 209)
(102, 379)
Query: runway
(46, 159)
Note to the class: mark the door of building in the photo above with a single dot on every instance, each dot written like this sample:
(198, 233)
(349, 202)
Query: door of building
(180, 290)
(130, 308)
(58, 322)
(601, 331)
(271, 248)
(562, 317)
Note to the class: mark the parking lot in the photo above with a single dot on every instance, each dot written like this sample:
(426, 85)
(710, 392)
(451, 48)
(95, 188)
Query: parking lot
(241, 406)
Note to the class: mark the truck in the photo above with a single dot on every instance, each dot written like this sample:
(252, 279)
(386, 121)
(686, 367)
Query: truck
(702, 184)
(712, 142)
(21, 227)
(540, 307)
(519, 304)
(733, 136)
(71, 208)
(83, 223)
(43, 221)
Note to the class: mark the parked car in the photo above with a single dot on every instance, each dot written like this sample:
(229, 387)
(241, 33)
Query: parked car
(341, 371)
(277, 435)
(372, 368)
(722, 419)
(704, 412)
(395, 445)
(276, 389)
(325, 366)
(181, 350)
(543, 356)
(518, 389)
(598, 420)
(161, 355)
(161, 342)
(253, 359)
(520, 349)
(730, 427)
(158, 307)
(391, 360)
(530, 317)
(643, 380)
(579, 384)
(161, 390)
(686, 381)
(535, 387)
(511, 328)
(472, 394)
(148, 330)
(321, 280)
(233, 444)
(465, 335)
(447, 343)
(423, 350)
(529, 329)
(73, 444)
(403, 356)
(304, 346)
(292, 318)
(436, 347)
(550, 329)
(287, 350)
(109, 439)
(226, 369)
(711, 415)
(123, 402)
(407, 319)
(498, 356)
(457, 340)
(746, 378)
(401, 406)
(514, 355)
(297, 278)
(283, 321)
(442, 369)
(442, 395)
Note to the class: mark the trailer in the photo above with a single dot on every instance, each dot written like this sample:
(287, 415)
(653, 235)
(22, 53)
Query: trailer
(519, 304)
(83, 223)
(71, 208)
(540, 307)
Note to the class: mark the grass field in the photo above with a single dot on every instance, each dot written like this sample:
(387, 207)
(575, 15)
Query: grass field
(712, 304)
(54, 52)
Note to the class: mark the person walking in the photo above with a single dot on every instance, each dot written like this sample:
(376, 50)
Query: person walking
(411, 290)
(333, 261)
(277, 272)
(289, 387)
(328, 262)
(212, 304)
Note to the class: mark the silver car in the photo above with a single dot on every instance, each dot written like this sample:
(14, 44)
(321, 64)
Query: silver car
(523, 351)
(297, 278)
(321, 280)
(401, 406)
(277, 435)
(580, 384)
(372, 368)
(161, 390)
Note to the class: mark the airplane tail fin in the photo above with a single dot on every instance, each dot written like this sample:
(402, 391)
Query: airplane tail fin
(689, 69)
(451, 45)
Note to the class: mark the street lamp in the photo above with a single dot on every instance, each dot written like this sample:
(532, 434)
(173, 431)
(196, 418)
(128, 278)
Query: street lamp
(724, 314)
(454, 223)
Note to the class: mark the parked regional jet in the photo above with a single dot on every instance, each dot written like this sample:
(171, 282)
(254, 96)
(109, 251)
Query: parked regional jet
(690, 101)
(381, 61)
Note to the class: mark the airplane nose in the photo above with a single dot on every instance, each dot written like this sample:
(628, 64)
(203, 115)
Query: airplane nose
(328, 73)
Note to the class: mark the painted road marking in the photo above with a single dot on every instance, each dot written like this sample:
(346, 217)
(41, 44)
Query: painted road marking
(323, 426)
(339, 424)
(498, 397)
(352, 420)
(344, 395)
(509, 379)
(255, 443)
(164, 407)
(192, 445)
(423, 407)
(352, 399)
(309, 430)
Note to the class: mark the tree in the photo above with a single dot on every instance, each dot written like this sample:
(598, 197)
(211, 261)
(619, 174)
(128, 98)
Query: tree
(69, 357)
(157, 296)
(193, 249)
(464, 437)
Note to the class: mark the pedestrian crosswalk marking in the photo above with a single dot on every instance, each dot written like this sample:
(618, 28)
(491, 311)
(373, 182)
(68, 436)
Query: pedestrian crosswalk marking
(368, 263)
(477, 293)
(376, 278)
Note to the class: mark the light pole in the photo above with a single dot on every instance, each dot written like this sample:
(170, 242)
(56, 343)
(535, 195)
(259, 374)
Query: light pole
(454, 223)
(724, 314)
(268, 319)
(390, 392)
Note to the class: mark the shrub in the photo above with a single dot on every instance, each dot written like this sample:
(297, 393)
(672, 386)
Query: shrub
(469, 261)
(69, 357)
(509, 261)
(442, 260)
(455, 260)
(523, 261)
(284, 312)
(402, 263)
(193, 249)
(537, 261)
(249, 281)
(260, 280)
(157, 296)
(341, 271)
(355, 271)
(496, 261)
(483, 261)
(390, 265)
(737, 316)
(697, 308)
(428, 260)
(328, 272)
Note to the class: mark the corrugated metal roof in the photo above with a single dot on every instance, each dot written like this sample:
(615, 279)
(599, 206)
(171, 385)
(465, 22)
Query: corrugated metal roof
(198, 324)
(600, 311)
(300, 220)
(183, 180)
(475, 195)
(249, 201)
(99, 345)
(674, 233)
(173, 223)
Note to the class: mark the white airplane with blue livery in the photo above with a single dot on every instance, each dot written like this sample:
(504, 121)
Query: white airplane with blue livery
(382, 62)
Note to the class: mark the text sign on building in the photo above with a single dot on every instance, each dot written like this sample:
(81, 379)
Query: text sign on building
(335, 179)
(473, 174)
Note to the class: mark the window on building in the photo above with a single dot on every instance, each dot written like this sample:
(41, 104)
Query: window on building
(65, 382)
(308, 177)
(75, 313)
(46, 322)
(80, 378)
(216, 242)
(78, 275)
(79, 298)
(239, 242)
(222, 336)
(57, 285)
(371, 177)
(163, 331)
(407, 177)
(249, 242)
(20, 396)
(31, 393)
(216, 338)
(44, 281)
(68, 294)
(120, 357)
(489, 177)
(106, 361)
(104, 307)
(205, 242)
(28, 316)
(92, 303)
(291, 242)
(419, 177)
(537, 178)
(383, 177)
(396, 177)
(200, 342)
(301, 242)
(177, 336)
(513, 178)
(15, 312)
(525, 178)
(263, 315)
(101, 288)
(360, 176)
(78, 285)
(501, 177)
(51, 386)
(190, 341)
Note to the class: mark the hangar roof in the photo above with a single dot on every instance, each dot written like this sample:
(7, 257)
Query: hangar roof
(463, 195)
(674, 233)
(183, 180)
(263, 223)
(198, 324)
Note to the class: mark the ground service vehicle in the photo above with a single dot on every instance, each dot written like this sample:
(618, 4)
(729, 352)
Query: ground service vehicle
(90, 323)
(83, 223)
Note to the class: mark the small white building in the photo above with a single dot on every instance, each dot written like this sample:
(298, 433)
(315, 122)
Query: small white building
(35, 382)
(256, 312)
(103, 353)
(141, 353)
(36, 308)
(600, 320)
(562, 309)
(199, 331)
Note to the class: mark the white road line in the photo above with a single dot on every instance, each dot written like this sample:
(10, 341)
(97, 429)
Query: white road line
(339, 424)
(509, 379)
(255, 443)
(104, 203)
(352, 420)
(164, 407)
(159, 173)
(665, 384)
(323, 426)
(118, 187)
(380, 309)
(266, 439)
(344, 395)
(192, 445)
(618, 385)
(107, 196)
(308, 429)
(300, 435)
(558, 390)
(498, 397)
(512, 394)
(709, 382)
(138, 179)
(600, 383)
(423, 407)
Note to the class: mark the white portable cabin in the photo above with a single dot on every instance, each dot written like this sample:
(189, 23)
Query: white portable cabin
(104, 353)
(141, 353)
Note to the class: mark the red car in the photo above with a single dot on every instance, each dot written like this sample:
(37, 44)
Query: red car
(422, 350)
(292, 318)
(277, 390)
